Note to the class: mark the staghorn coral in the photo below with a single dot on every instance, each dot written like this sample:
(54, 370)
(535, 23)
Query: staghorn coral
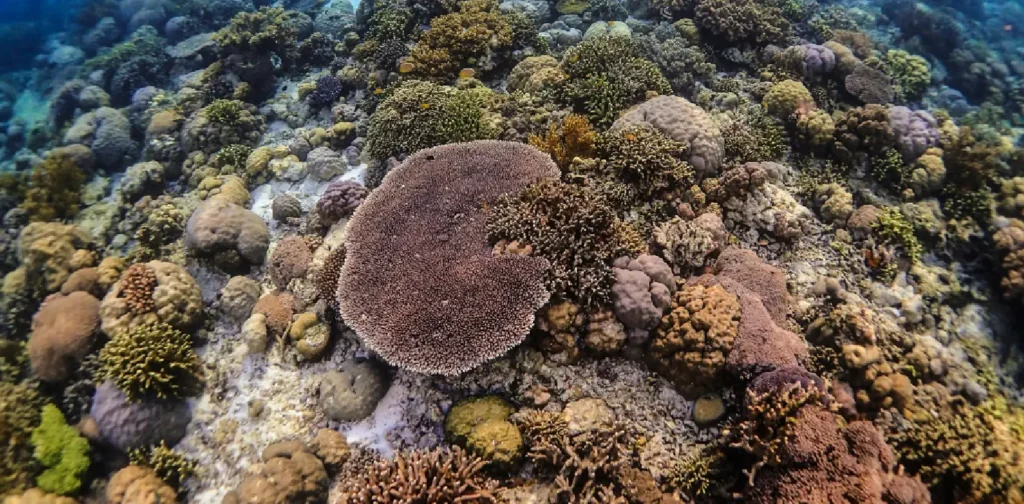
(326, 280)
(63, 332)
(151, 360)
(488, 302)
(574, 229)
(176, 301)
(606, 75)
(646, 160)
(694, 339)
(420, 476)
(63, 452)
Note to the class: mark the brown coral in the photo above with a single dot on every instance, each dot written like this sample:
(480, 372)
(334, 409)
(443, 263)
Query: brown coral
(137, 286)
(63, 332)
(138, 485)
(289, 473)
(573, 138)
(421, 236)
(177, 301)
(327, 278)
(420, 477)
(289, 260)
(694, 339)
(278, 308)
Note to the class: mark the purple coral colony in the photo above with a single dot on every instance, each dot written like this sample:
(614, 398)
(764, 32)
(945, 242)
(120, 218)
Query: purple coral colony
(511, 251)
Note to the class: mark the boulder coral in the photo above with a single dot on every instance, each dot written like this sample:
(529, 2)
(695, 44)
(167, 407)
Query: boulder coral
(289, 260)
(290, 473)
(684, 122)
(228, 233)
(462, 305)
(174, 299)
(63, 332)
(127, 425)
(642, 291)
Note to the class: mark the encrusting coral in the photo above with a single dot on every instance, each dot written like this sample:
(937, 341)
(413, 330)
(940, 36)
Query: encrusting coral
(417, 203)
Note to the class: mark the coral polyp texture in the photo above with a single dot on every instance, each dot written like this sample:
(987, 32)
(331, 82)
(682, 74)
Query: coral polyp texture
(515, 251)
(422, 234)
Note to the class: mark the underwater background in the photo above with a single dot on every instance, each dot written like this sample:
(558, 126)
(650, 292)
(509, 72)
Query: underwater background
(516, 251)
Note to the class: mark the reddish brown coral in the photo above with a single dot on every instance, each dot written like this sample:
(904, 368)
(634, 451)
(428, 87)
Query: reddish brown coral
(137, 286)
(289, 260)
(421, 285)
(277, 307)
(327, 279)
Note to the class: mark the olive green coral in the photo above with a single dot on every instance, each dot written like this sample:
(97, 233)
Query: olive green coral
(893, 228)
(169, 465)
(787, 98)
(477, 31)
(20, 407)
(268, 30)
(63, 452)
(645, 159)
(606, 75)
(151, 360)
(54, 189)
(910, 72)
(420, 114)
(480, 424)
(744, 20)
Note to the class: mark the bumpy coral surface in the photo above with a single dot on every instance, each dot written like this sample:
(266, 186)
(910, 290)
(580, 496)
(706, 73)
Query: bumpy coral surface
(174, 300)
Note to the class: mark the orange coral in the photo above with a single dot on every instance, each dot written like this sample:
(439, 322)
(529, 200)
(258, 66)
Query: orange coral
(138, 284)
(573, 138)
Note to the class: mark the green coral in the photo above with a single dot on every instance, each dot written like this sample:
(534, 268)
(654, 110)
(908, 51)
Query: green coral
(889, 169)
(224, 112)
(816, 128)
(60, 449)
(169, 465)
(390, 24)
(606, 75)
(762, 21)
(695, 473)
(971, 168)
(20, 407)
(417, 115)
(787, 98)
(752, 135)
(268, 30)
(893, 228)
(969, 453)
(573, 227)
(145, 44)
(53, 192)
(233, 155)
(462, 39)
(910, 72)
(480, 424)
(151, 360)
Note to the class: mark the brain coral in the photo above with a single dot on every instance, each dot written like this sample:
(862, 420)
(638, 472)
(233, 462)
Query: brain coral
(221, 227)
(683, 122)
(176, 301)
(420, 285)
(62, 334)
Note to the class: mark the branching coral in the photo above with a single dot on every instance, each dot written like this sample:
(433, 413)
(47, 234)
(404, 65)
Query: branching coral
(417, 115)
(54, 190)
(743, 20)
(420, 476)
(571, 138)
(574, 229)
(910, 71)
(258, 34)
(63, 452)
(477, 32)
(645, 159)
(605, 76)
(169, 465)
(151, 360)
